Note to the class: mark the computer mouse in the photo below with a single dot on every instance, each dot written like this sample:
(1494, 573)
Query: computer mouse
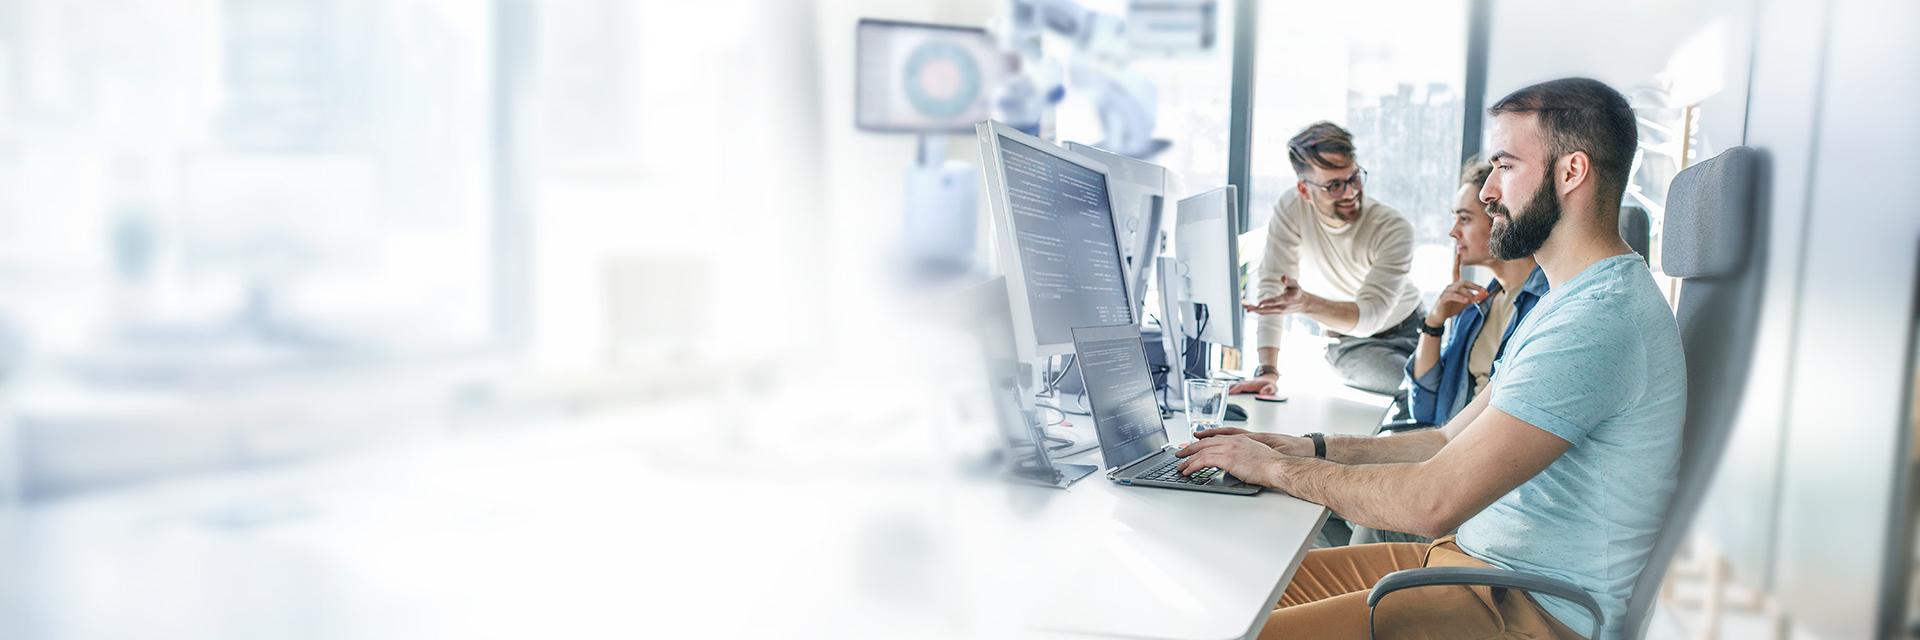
(1236, 413)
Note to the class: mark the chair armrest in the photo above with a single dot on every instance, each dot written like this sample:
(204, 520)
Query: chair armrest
(1486, 577)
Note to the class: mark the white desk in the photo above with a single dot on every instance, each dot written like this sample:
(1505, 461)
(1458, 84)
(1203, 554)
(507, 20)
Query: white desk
(659, 524)
(1100, 559)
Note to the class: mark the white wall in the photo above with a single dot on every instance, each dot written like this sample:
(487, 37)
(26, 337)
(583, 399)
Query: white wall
(1737, 516)
(1845, 443)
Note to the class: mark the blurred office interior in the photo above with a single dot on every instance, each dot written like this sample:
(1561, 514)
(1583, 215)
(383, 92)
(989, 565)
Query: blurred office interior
(275, 272)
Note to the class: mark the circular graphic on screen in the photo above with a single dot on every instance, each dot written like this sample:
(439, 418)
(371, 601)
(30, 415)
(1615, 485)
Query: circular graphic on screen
(941, 78)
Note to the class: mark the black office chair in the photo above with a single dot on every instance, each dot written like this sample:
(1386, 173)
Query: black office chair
(1715, 242)
(1636, 227)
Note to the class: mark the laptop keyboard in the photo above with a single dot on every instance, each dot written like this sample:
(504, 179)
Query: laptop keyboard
(1170, 472)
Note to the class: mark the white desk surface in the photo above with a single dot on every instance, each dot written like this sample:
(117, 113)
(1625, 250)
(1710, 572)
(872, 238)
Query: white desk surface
(664, 523)
(1103, 559)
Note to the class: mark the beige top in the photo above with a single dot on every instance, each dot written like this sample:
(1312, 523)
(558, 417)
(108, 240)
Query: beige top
(1366, 263)
(1492, 329)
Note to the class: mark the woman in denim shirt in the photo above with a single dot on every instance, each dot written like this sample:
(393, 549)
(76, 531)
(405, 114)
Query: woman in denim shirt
(1445, 374)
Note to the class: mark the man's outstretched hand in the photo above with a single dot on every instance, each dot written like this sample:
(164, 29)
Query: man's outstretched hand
(1291, 299)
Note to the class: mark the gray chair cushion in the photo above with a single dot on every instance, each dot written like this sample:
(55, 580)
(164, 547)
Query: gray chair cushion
(1709, 211)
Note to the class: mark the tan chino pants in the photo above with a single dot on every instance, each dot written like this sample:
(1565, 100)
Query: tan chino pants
(1328, 599)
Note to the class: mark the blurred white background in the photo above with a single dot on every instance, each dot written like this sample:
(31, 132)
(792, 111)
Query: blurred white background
(459, 318)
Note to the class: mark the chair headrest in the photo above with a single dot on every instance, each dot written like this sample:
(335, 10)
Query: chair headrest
(1709, 216)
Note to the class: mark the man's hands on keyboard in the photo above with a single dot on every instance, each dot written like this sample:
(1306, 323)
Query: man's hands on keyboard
(1240, 455)
(1170, 472)
(1290, 445)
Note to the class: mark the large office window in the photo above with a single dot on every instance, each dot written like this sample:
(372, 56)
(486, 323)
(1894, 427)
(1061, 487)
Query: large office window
(1192, 91)
(187, 179)
(1394, 76)
(670, 171)
(235, 233)
(1192, 88)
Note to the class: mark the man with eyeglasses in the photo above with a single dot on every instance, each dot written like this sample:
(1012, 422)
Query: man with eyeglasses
(1357, 287)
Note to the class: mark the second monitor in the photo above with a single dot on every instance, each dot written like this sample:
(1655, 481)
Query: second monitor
(1139, 191)
(1207, 261)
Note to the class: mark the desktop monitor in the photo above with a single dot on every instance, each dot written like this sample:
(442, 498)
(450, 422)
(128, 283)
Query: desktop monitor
(1207, 263)
(923, 78)
(1139, 196)
(1056, 239)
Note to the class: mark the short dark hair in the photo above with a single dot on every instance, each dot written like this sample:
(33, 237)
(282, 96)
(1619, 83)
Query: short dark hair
(1313, 144)
(1475, 172)
(1583, 114)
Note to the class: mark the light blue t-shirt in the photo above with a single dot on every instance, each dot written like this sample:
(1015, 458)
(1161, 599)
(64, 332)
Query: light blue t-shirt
(1599, 364)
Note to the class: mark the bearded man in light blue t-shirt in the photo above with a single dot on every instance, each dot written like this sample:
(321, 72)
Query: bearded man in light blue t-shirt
(1563, 466)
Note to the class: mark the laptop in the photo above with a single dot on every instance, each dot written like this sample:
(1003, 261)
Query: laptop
(1133, 440)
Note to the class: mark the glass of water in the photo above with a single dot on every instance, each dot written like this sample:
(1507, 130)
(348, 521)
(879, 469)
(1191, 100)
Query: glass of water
(1206, 403)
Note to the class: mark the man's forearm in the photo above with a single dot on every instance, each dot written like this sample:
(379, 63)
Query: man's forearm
(1411, 446)
(1386, 497)
(1334, 314)
(1270, 355)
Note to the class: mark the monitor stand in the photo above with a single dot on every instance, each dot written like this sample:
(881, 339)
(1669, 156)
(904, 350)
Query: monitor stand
(1031, 461)
(1050, 474)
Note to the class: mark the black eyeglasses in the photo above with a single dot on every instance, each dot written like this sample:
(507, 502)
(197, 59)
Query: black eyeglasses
(1339, 186)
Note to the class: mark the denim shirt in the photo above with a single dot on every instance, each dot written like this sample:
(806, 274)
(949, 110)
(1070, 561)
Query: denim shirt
(1442, 392)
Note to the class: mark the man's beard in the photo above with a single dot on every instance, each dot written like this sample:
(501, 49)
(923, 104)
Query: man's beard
(1333, 211)
(1522, 235)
